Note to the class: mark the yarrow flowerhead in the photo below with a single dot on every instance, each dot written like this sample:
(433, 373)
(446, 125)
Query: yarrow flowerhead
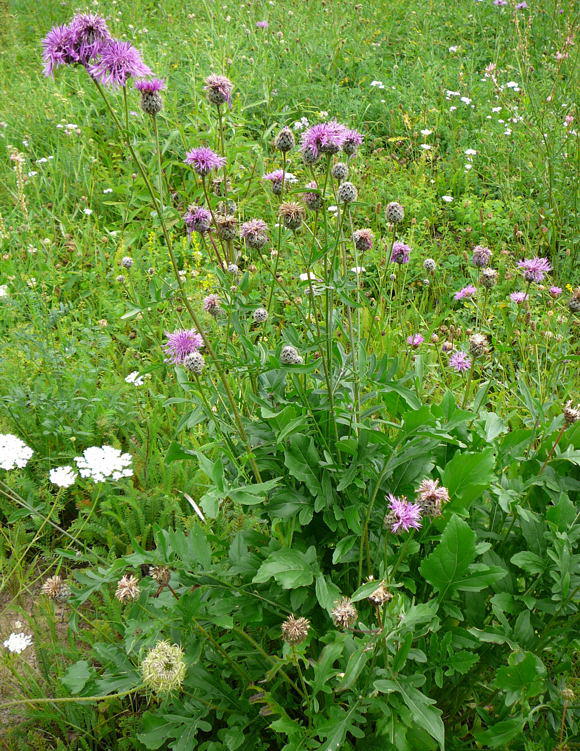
(295, 630)
(468, 291)
(459, 361)
(63, 477)
(17, 643)
(151, 101)
(127, 588)
(101, 463)
(13, 452)
(535, 269)
(415, 340)
(163, 668)
(197, 219)
(431, 497)
(400, 252)
(182, 343)
(481, 256)
(402, 515)
(518, 297)
(363, 239)
(323, 138)
(344, 614)
(118, 61)
(219, 89)
(204, 160)
(255, 233)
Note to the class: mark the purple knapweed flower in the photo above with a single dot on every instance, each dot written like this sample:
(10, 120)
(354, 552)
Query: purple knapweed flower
(58, 49)
(535, 269)
(255, 233)
(500, 2)
(518, 297)
(118, 61)
(555, 291)
(415, 340)
(404, 515)
(481, 256)
(261, 24)
(323, 138)
(204, 160)
(219, 89)
(352, 140)
(400, 253)
(468, 291)
(89, 34)
(211, 303)
(522, 6)
(150, 86)
(181, 343)
(459, 361)
(197, 219)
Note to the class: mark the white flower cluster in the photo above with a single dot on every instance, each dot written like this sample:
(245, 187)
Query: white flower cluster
(101, 463)
(17, 643)
(13, 452)
(64, 477)
(135, 378)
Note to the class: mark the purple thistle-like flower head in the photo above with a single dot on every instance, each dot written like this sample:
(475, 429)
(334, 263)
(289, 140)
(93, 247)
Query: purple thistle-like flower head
(481, 256)
(181, 343)
(118, 62)
(255, 233)
(211, 303)
(468, 291)
(323, 138)
(535, 269)
(352, 140)
(404, 515)
(150, 86)
(262, 24)
(219, 89)
(500, 2)
(555, 291)
(204, 160)
(518, 297)
(89, 34)
(400, 252)
(415, 340)
(58, 49)
(197, 219)
(278, 175)
(459, 361)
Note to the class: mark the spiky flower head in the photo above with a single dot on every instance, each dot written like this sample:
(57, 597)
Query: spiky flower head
(571, 413)
(394, 213)
(352, 140)
(400, 252)
(233, 268)
(429, 265)
(344, 614)
(431, 497)
(160, 574)
(295, 630)
(151, 101)
(477, 344)
(89, 34)
(340, 171)
(56, 588)
(535, 269)
(555, 291)
(402, 515)
(219, 89)
(181, 343)
(58, 49)
(574, 302)
(310, 155)
(255, 233)
(127, 588)
(278, 178)
(459, 361)
(211, 304)
(518, 297)
(260, 315)
(292, 214)
(323, 138)
(481, 256)
(127, 262)
(415, 340)
(197, 219)
(226, 226)
(312, 200)
(285, 140)
(163, 668)
(363, 239)
(380, 595)
(465, 292)
(488, 277)
(118, 62)
(204, 160)
(194, 362)
(290, 356)
(347, 193)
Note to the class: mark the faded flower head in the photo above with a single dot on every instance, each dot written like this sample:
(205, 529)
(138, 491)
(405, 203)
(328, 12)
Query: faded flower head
(127, 262)
(211, 304)
(56, 588)
(400, 252)
(218, 89)
(459, 361)
(127, 588)
(17, 643)
(481, 256)
(535, 269)
(380, 595)
(285, 140)
(290, 356)
(323, 138)
(226, 226)
(182, 343)
(260, 315)
(295, 630)
(204, 160)
(431, 497)
(363, 239)
(347, 192)
(352, 140)
(292, 214)
(344, 614)
(312, 200)
(477, 344)
(194, 362)
(13, 452)
(255, 233)
(402, 515)
(488, 277)
(118, 61)
(63, 477)
(394, 213)
(163, 668)
(101, 463)
(429, 265)
(466, 292)
(160, 574)
(197, 219)
(151, 101)
(571, 413)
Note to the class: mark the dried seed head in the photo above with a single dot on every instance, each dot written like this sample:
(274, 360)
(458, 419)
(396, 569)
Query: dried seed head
(295, 630)
(380, 595)
(481, 256)
(161, 574)
(290, 356)
(226, 226)
(340, 171)
(163, 668)
(431, 497)
(285, 140)
(478, 344)
(260, 315)
(574, 303)
(344, 614)
(363, 239)
(394, 213)
(447, 346)
(292, 214)
(429, 265)
(571, 414)
(127, 588)
(347, 193)
(488, 277)
(56, 588)
(194, 362)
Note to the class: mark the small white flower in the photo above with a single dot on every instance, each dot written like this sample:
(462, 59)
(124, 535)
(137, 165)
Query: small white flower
(468, 166)
(496, 109)
(507, 132)
(426, 132)
(378, 84)
(426, 146)
(452, 109)
(449, 93)
(470, 152)
(64, 477)
(358, 270)
(13, 452)
(447, 199)
(333, 209)
(107, 190)
(453, 49)
(4, 290)
(100, 463)
(88, 212)
(17, 643)
(309, 276)
(465, 100)
(135, 378)
(512, 85)
(32, 173)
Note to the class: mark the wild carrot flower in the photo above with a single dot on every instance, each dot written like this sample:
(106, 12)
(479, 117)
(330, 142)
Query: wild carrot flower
(400, 252)
(219, 89)
(101, 463)
(13, 452)
(197, 219)
(182, 343)
(323, 138)
(535, 269)
(481, 256)
(151, 102)
(17, 643)
(459, 361)
(204, 160)
(468, 291)
(58, 49)
(518, 297)
(402, 515)
(415, 340)
(118, 62)
(255, 233)
(89, 33)
(62, 477)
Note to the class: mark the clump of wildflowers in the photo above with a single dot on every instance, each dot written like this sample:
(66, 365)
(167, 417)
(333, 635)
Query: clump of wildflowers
(63, 477)
(182, 343)
(402, 515)
(163, 668)
(295, 630)
(344, 614)
(13, 452)
(17, 643)
(204, 160)
(400, 252)
(535, 269)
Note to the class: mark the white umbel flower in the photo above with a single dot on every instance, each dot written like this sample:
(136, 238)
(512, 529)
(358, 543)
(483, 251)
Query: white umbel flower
(101, 463)
(17, 643)
(64, 477)
(13, 452)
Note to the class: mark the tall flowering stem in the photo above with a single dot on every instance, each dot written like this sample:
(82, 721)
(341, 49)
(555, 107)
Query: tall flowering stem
(193, 316)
